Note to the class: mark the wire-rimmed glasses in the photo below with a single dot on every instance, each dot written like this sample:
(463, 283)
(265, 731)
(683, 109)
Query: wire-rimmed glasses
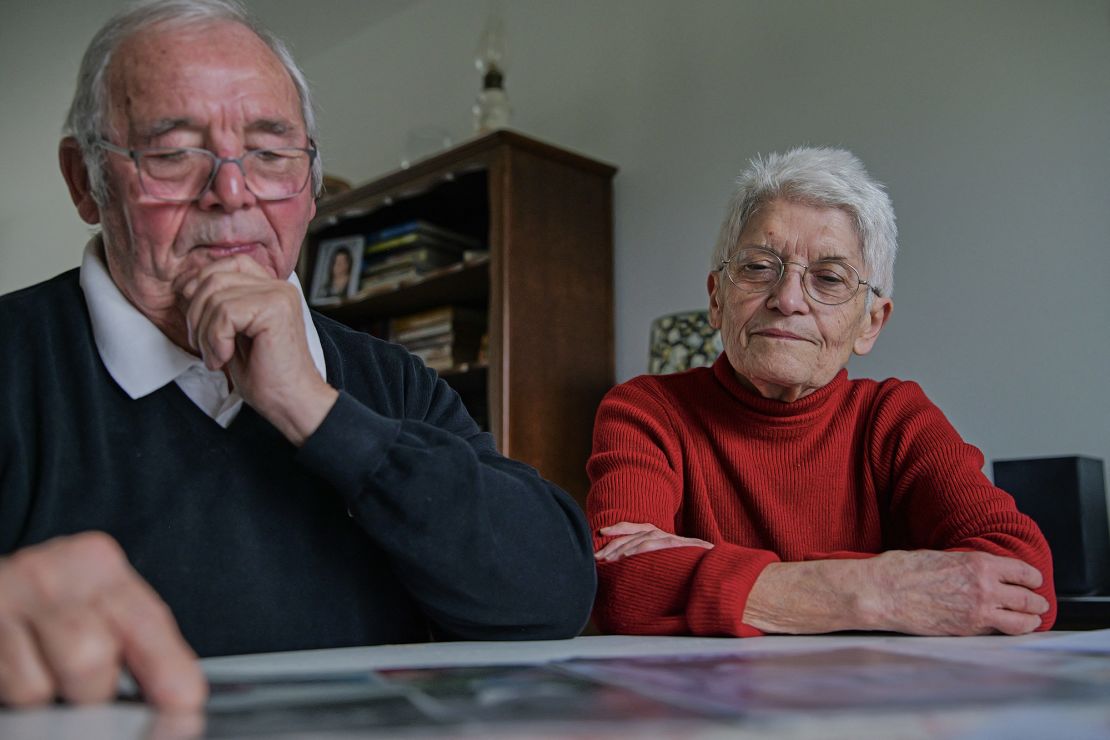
(184, 174)
(827, 281)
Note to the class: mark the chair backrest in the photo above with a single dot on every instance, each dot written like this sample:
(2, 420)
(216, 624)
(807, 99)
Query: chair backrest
(680, 341)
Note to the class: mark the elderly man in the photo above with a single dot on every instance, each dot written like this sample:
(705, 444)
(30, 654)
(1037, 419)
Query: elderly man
(770, 493)
(191, 462)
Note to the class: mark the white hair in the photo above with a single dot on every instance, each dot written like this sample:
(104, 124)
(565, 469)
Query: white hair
(826, 177)
(88, 113)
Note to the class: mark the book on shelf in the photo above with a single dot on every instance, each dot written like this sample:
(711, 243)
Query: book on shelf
(418, 227)
(385, 279)
(464, 337)
(403, 269)
(417, 235)
(443, 337)
(441, 359)
(441, 319)
(406, 242)
(420, 259)
(404, 253)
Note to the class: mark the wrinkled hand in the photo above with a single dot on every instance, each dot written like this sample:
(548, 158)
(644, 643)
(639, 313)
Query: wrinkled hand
(249, 323)
(926, 592)
(633, 539)
(72, 613)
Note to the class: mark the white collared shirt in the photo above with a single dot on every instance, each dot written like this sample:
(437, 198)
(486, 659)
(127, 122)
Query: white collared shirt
(142, 359)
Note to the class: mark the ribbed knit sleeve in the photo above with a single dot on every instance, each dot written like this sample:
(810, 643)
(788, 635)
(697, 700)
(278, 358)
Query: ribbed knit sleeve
(939, 497)
(636, 474)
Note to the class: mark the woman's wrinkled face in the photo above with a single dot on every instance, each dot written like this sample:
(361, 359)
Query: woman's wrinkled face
(782, 343)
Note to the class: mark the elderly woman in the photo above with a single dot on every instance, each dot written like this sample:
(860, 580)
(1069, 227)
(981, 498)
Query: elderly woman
(770, 493)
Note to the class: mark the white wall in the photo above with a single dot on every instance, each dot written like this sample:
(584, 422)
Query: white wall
(988, 120)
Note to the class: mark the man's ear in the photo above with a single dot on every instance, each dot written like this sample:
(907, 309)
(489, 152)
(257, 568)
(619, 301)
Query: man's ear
(874, 321)
(713, 285)
(77, 178)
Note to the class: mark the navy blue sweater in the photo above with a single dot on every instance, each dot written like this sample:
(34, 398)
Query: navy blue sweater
(397, 521)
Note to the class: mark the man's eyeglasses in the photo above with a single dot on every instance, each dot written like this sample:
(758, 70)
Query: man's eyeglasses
(184, 174)
(829, 281)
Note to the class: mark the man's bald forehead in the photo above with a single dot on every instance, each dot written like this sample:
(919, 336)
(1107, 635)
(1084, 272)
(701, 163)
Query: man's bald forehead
(167, 59)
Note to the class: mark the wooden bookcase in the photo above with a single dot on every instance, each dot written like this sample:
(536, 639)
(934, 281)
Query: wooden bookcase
(547, 284)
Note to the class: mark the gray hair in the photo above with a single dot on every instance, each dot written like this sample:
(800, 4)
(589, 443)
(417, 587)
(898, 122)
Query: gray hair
(832, 178)
(88, 113)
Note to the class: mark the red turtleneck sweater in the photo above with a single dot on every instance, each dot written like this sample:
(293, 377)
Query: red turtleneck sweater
(855, 468)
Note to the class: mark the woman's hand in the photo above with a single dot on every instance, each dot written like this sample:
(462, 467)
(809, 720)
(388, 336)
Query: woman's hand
(632, 539)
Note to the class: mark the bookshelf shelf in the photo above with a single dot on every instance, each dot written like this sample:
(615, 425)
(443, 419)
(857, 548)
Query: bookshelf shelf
(459, 284)
(545, 288)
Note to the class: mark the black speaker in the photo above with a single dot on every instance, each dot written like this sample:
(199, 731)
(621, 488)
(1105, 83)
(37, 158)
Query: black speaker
(1066, 497)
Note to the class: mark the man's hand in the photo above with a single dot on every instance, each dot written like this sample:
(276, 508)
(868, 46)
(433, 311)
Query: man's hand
(72, 613)
(632, 538)
(925, 592)
(919, 592)
(249, 323)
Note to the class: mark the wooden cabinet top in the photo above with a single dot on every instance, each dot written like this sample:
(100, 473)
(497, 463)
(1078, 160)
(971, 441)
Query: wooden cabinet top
(475, 153)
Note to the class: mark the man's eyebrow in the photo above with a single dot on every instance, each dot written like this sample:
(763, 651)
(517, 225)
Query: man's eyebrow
(162, 126)
(276, 126)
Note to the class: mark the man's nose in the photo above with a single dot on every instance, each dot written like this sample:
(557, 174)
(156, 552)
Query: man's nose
(229, 187)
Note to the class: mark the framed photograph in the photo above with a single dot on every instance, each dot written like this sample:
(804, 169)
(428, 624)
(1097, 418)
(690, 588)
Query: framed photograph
(338, 266)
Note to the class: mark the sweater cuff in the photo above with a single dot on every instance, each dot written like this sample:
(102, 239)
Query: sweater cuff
(722, 584)
(349, 445)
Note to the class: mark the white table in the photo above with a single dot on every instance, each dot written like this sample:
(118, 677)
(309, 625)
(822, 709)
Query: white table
(1083, 716)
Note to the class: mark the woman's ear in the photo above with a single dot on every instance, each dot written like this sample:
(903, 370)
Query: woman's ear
(873, 322)
(77, 179)
(713, 285)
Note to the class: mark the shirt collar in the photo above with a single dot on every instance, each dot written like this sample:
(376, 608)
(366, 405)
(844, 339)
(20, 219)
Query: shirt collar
(138, 356)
